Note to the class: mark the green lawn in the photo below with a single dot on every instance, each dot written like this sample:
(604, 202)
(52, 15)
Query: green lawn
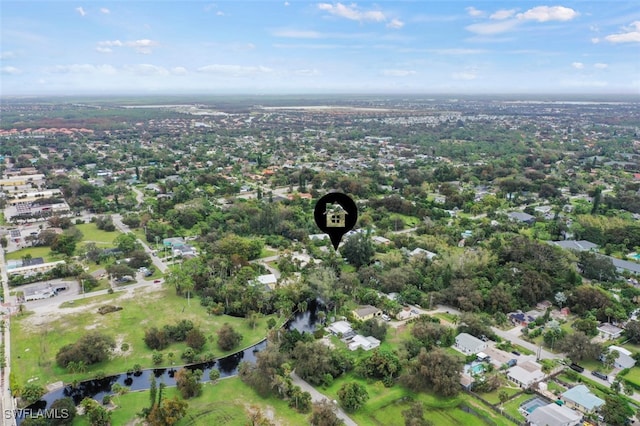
(267, 252)
(44, 252)
(385, 406)
(511, 406)
(34, 347)
(91, 233)
(555, 387)
(633, 377)
(447, 317)
(226, 403)
(494, 398)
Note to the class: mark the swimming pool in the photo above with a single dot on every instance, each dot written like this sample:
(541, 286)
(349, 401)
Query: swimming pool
(530, 405)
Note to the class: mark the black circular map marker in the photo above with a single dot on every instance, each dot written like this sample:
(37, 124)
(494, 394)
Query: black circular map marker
(335, 214)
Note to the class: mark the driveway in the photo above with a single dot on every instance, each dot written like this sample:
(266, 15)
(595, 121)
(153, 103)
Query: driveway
(317, 396)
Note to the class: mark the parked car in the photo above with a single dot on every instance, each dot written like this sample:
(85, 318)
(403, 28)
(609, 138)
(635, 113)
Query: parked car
(516, 353)
(600, 375)
(386, 317)
(576, 367)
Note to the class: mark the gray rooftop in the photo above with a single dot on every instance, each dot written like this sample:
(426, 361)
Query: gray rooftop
(581, 245)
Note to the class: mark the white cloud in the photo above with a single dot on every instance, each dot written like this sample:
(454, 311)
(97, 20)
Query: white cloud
(458, 51)
(398, 73)
(105, 11)
(595, 40)
(395, 24)
(307, 72)
(82, 69)
(548, 13)
(472, 11)
(631, 34)
(219, 13)
(81, 11)
(502, 14)
(179, 71)
(296, 33)
(142, 46)
(7, 55)
(577, 65)
(487, 28)
(10, 70)
(117, 43)
(146, 69)
(464, 75)
(102, 49)
(506, 20)
(234, 70)
(600, 66)
(352, 12)
(286, 3)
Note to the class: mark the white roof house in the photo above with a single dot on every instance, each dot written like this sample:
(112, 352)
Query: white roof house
(340, 327)
(625, 358)
(422, 252)
(468, 344)
(366, 343)
(268, 280)
(609, 331)
(554, 415)
(524, 376)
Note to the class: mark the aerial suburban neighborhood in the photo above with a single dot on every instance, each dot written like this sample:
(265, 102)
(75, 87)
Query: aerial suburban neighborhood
(161, 256)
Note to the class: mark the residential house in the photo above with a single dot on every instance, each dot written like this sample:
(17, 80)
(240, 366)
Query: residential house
(521, 217)
(625, 265)
(609, 331)
(184, 251)
(468, 344)
(341, 328)
(554, 415)
(525, 374)
(581, 398)
(365, 312)
(173, 242)
(366, 343)
(422, 252)
(624, 360)
(33, 269)
(577, 245)
(269, 281)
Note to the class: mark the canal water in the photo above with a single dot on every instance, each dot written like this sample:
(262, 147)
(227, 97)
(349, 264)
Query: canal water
(227, 366)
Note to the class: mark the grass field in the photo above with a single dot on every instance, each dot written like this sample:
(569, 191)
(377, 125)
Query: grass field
(44, 252)
(385, 406)
(34, 346)
(91, 233)
(226, 403)
(633, 377)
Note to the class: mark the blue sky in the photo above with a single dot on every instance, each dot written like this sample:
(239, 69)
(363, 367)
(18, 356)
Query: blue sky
(270, 47)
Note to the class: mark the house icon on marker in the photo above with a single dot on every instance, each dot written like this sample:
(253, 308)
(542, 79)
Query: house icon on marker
(336, 216)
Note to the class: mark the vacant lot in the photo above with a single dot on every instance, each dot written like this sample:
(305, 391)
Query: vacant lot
(36, 339)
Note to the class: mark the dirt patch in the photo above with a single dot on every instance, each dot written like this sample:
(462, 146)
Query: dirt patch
(117, 351)
(48, 313)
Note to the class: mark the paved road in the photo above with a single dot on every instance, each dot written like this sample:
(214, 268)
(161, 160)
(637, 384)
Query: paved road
(6, 400)
(117, 221)
(317, 396)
